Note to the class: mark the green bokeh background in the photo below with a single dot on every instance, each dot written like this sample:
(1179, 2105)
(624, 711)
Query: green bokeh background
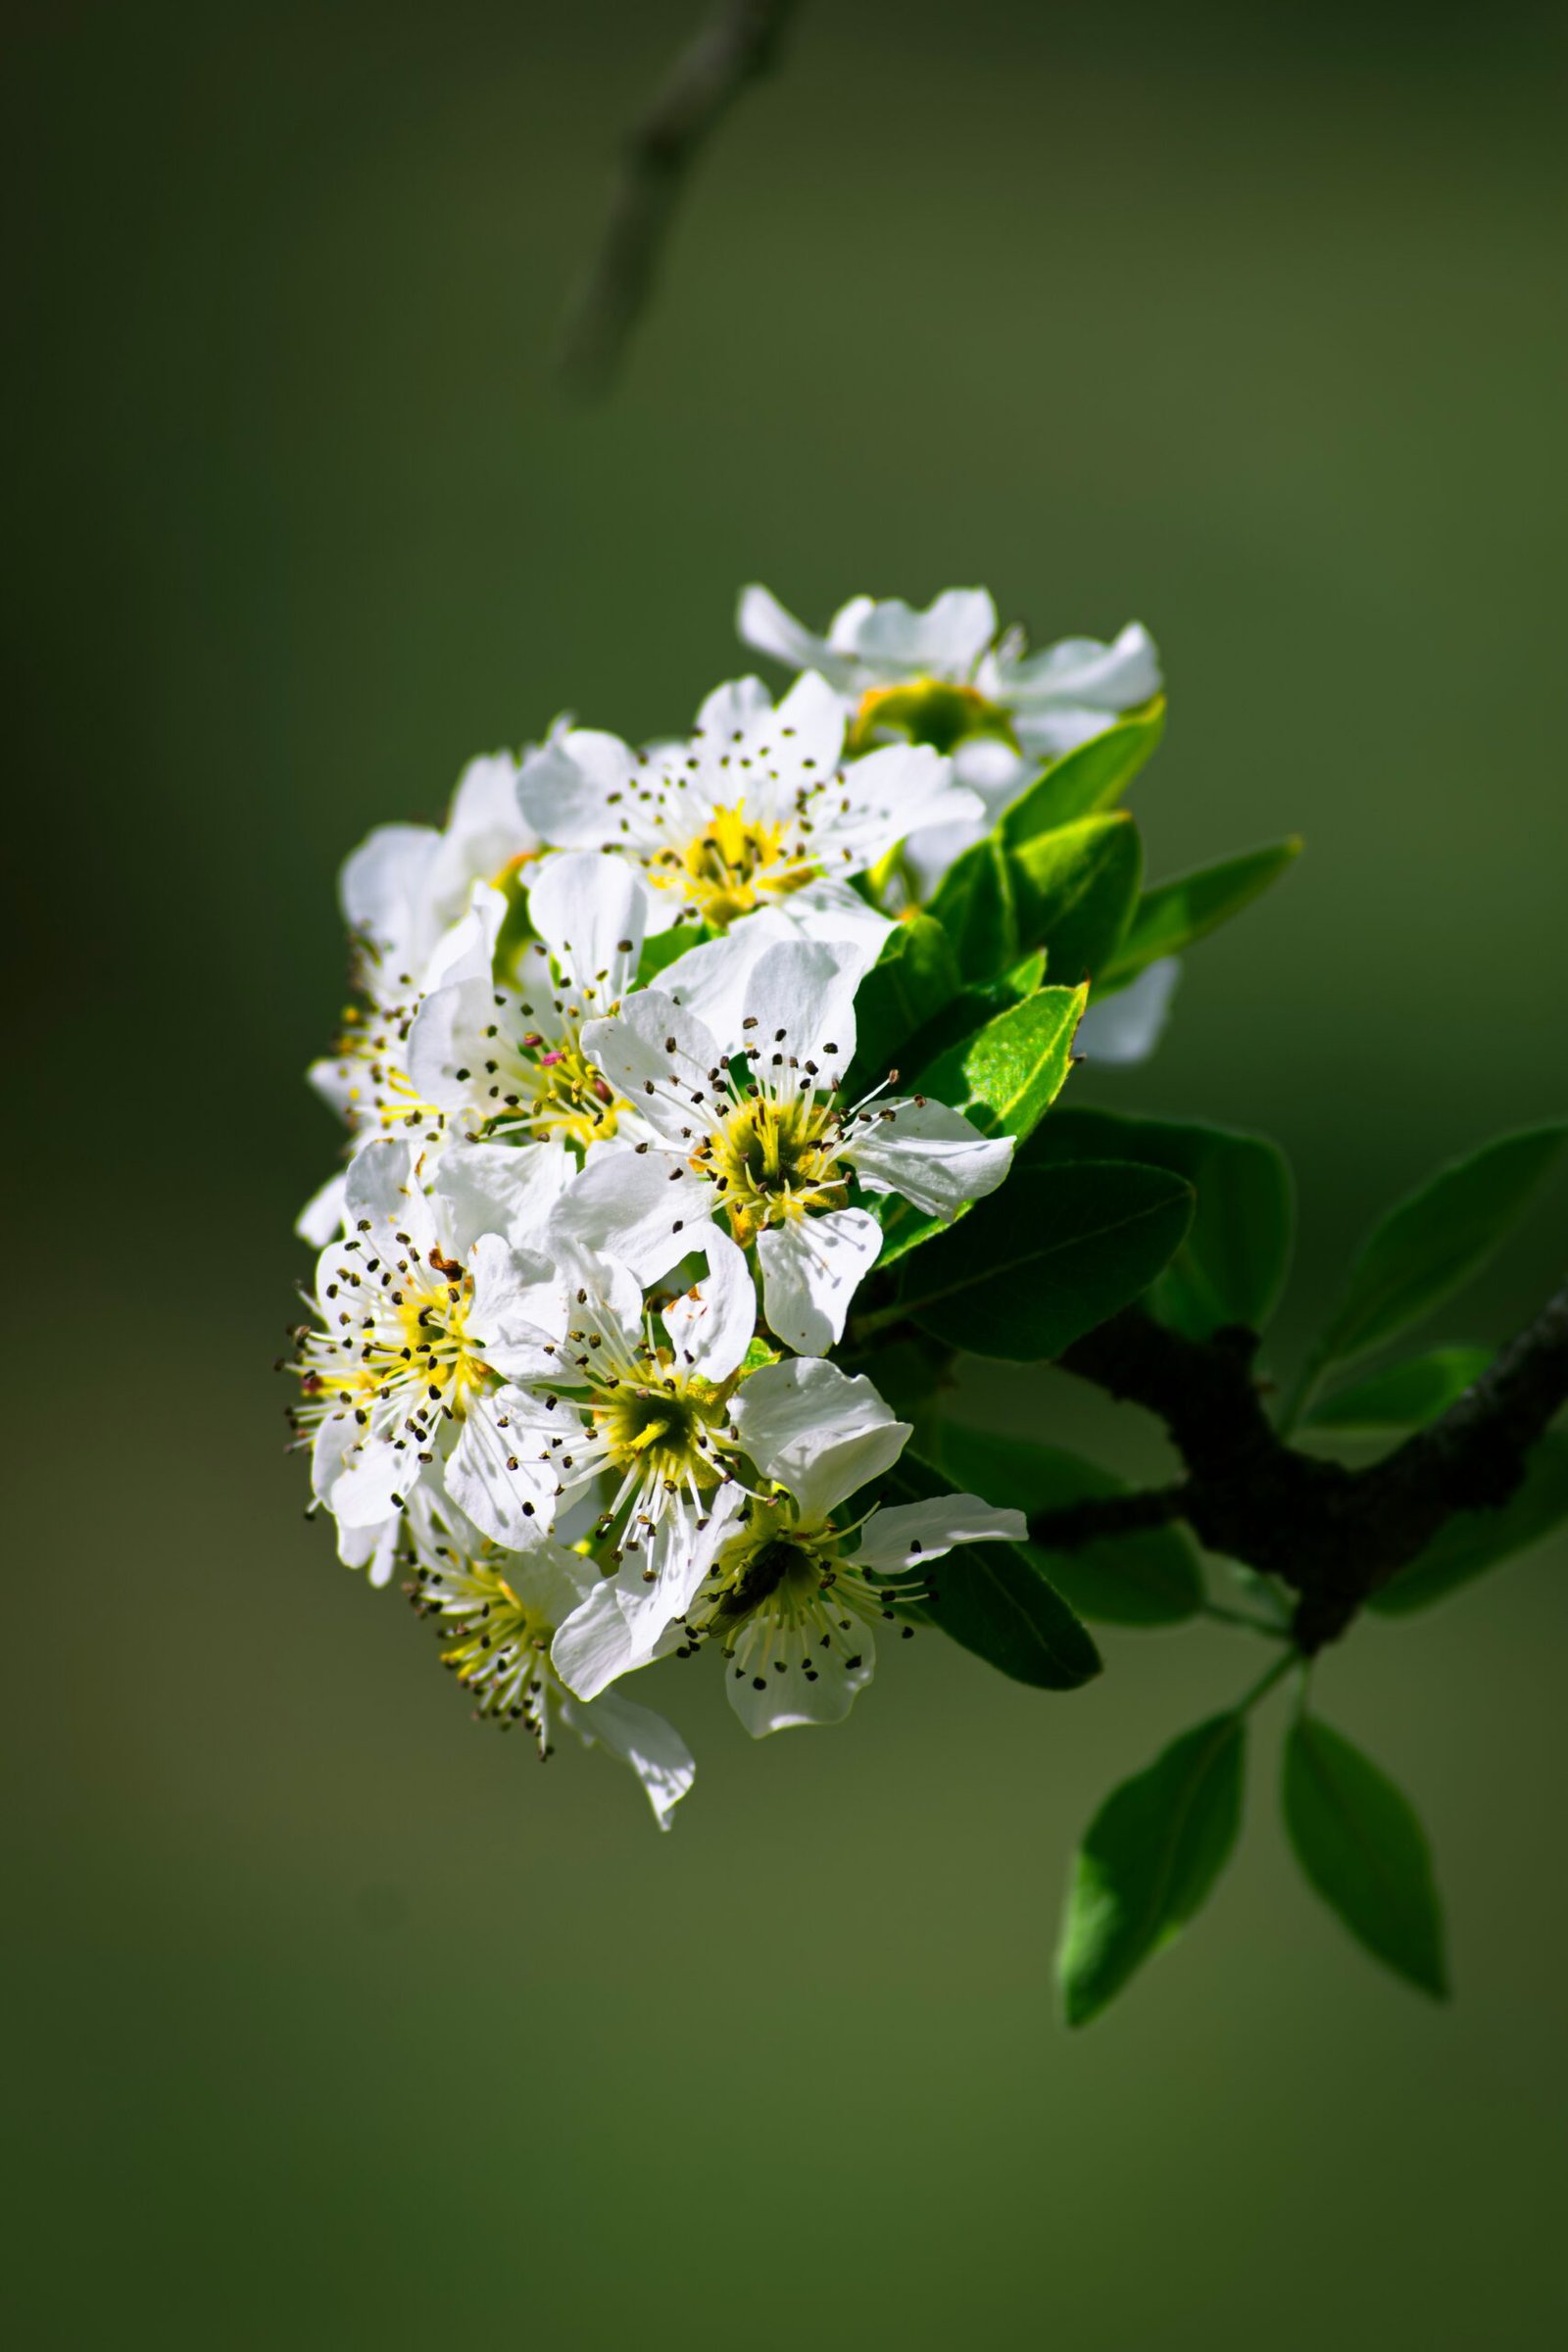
(333, 2021)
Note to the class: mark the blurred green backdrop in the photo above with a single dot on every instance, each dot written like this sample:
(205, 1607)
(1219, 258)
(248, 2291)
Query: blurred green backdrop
(333, 2022)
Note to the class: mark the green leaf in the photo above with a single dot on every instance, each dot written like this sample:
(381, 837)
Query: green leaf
(1074, 889)
(915, 976)
(1406, 1397)
(1362, 1847)
(1093, 776)
(1173, 915)
(1232, 1265)
(1005, 1078)
(1151, 1578)
(1475, 1541)
(1046, 1257)
(991, 1597)
(1149, 1862)
(1427, 1246)
(974, 904)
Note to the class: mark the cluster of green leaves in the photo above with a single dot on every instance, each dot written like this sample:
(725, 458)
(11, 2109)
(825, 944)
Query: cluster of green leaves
(977, 1002)
(1155, 1848)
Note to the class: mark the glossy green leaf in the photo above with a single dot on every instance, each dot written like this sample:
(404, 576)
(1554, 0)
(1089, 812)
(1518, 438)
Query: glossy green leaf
(992, 1598)
(1005, 1078)
(914, 977)
(1073, 891)
(974, 904)
(1361, 1846)
(1434, 1240)
(1475, 1541)
(1173, 915)
(1052, 1253)
(1151, 1578)
(1232, 1265)
(1091, 777)
(1149, 1862)
(1406, 1397)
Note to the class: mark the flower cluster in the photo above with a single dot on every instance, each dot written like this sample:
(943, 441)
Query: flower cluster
(613, 1180)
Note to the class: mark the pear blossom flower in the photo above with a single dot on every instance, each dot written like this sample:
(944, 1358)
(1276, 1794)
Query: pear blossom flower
(406, 893)
(753, 811)
(409, 1378)
(496, 1614)
(942, 676)
(503, 1058)
(774, 1149)
(405, 885)
(795, 1592)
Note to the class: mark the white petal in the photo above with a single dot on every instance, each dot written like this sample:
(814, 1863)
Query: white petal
(485, 831)
(829, 910)
(945, 641)
(572, 789)
(810, 1428)
(592, 912)
(807, 726)
(913, 1531)
(1084, 671)
(711, 981)
(374, 1479)
(930, 1154)
(653, 1747)
(761, 621)
(321, 1217)
(656, 1056)
(502, 1188)
(711, 1325)
(640, 1207)
(464, 949)
(801, 998)
(382, 1190)
(734, 710)
(372, 1548)
(619, 1625)
(882, 798)
(811, 1268)
(519, 1308)
(383, 890)
(1127, 1027)
(493, 1473)
(789, 1695)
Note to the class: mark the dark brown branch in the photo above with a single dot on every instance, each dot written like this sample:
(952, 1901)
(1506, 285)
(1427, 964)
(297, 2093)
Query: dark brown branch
(1079, 1522)
(735, 47)
(1333, 1534)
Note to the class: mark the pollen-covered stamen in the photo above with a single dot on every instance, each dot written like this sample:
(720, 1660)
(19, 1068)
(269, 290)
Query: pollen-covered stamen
(735, 862)
(500, 1646)
(632, 1415)
(400, 1355)
(527, 1071)
(767, 1130)
(784, 1596)
(369, 1065)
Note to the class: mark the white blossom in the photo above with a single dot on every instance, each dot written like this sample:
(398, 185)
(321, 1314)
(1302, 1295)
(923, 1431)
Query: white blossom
(755, 809)
(501, 1057)
(496, 1614)
(796, 1591)
(775, 1150)
(942, 676)
(409, 1377)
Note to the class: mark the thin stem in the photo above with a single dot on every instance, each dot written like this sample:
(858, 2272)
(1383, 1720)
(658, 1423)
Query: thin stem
(1266, 1683)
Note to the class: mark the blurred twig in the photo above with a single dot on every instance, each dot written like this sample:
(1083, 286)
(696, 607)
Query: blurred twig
(735, 47)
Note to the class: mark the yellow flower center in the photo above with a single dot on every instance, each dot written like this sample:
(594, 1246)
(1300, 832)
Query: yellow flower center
(657, 1426)
(929, 710)
(733, 865)
(773, 1159)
